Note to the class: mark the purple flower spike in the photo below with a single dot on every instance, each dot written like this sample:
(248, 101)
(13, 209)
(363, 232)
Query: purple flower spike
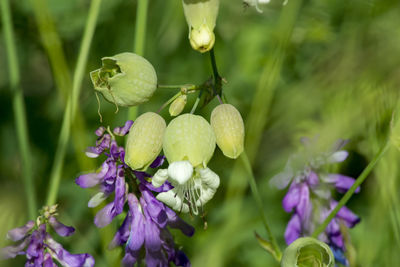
(121, 131)
(145, 227)
(19, 233)
(61, 229)
(309, 197)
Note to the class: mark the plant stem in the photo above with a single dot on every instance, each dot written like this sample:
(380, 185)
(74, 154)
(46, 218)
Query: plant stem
(19, 108)
(72, 100)
(247, 165)
(139, 41)
(352, 189)
(169, 101)
(53, 46)
(217, 78)
(257, 198)
(141, 25)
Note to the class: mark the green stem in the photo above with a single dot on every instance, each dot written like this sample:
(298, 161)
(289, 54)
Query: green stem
(257, 198)
(217, 78)
(169, 101)
(19, 109)
(70, 110)
(139, 41)
(141, 23)
(352, 189)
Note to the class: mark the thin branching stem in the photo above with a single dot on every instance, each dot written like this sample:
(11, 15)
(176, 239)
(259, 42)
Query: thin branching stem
(19, 108)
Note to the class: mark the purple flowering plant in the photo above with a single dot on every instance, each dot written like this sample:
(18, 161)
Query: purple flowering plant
(145, 225)
(156, 169)
(309, 198)
(40, 249)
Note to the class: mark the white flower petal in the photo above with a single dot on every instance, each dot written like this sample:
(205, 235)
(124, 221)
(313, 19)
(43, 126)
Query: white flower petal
(210, 178)
(159, 177)
(180, 171)
(172, 199)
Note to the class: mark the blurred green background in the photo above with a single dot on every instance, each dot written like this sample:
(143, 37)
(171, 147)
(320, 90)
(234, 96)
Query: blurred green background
(315, 67)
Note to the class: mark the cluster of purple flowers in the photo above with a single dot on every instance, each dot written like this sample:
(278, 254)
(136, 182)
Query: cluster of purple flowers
(40, 248)
(145, 225)
(309, 197)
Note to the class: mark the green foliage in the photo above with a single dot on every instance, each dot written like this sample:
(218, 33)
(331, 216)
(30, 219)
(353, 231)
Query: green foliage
(326, 68)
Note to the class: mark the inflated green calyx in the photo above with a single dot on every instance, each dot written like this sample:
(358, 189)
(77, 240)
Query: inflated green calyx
(308, 252)
(125, 79)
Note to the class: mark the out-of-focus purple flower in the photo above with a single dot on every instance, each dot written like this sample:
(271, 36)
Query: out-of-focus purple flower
(40, 248)
(309, 197)
(145, 225)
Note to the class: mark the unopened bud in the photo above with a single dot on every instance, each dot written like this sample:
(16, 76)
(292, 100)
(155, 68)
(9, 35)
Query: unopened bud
(177, 105)
(189, 137)
(201, 16)
(125, 79)
(228, 127)
(144, 140)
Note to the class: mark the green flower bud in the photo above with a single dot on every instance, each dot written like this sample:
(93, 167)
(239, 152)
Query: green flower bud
(144, 140)
(125, 79)
(228, 127)
(189, 137)
(177, 105)
(307, 251)
(201, 16)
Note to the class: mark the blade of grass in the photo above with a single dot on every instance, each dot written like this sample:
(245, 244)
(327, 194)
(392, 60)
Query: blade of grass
(71, 107)
(53, 46)
(19, 109)
(139, 41)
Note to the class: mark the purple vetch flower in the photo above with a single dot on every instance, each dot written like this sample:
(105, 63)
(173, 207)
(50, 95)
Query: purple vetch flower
(39, 247)
(309, 197)
(144, 230)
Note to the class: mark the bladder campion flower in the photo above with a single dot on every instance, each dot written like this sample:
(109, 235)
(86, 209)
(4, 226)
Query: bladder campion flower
(228, 127)
(309, 197)
(189, 144)
(125, 79)
(201, 16)
(144, 230)
(144, 140)
(39, 247)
